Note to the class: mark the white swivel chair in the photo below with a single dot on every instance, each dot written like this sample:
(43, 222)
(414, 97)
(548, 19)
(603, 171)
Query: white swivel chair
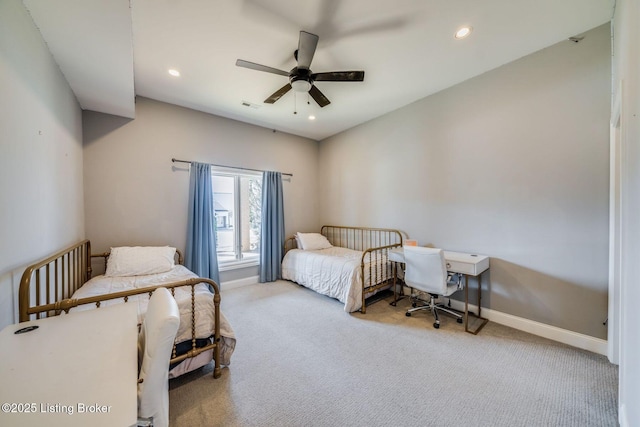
(426, 271)
(155, 344)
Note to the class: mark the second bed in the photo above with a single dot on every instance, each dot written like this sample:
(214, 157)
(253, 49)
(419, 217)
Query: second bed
(349, 264)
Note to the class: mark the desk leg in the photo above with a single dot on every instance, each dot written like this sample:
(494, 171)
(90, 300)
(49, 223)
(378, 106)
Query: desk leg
(466, 303)
(396, 297)
(466, 306)
(395, 288)
(479, 294)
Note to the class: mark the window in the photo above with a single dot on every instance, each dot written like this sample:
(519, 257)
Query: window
(237, 199)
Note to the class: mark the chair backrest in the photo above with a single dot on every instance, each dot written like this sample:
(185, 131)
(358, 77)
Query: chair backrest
(425, 269)
(155, 344)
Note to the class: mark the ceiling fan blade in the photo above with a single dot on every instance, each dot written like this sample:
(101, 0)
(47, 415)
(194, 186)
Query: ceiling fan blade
(339, 76)
(258, 67)
(319, 97)
(278, 94)
(306, 49)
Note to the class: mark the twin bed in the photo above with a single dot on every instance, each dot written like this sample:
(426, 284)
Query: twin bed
(62, 282)
(349, 264)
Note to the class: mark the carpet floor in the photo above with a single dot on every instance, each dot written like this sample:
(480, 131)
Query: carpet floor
(300, 360)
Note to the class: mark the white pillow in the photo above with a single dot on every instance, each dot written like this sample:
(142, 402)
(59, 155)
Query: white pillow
(312, 241)
(140, 260)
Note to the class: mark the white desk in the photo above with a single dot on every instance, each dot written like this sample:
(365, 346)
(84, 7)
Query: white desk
(465, 264)
(75, 369)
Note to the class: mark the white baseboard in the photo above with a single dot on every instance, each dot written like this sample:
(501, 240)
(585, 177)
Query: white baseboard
(232, 284)
(564, 336)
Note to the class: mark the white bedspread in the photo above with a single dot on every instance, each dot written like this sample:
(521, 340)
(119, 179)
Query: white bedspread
(334, 272)
(205, 320)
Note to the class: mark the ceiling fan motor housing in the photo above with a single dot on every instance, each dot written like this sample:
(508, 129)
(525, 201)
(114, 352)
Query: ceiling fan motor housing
(300, 79)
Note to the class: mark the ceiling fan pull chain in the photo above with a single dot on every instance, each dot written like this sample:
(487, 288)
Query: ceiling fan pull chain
(295, 103)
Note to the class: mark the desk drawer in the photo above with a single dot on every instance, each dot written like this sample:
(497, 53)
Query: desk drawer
(461, 267)
(466, 264)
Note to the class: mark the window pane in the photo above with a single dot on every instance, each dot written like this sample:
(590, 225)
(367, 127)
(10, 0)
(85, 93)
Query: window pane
(224, 201)
(253, 204)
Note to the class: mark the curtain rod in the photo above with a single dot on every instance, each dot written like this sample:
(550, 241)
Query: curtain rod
(230, 167)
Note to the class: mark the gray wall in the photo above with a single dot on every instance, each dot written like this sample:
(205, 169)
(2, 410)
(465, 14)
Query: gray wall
(513, 164)
(41, 204)
(134, 195)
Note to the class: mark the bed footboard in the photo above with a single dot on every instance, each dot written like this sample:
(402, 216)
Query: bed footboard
(377, 271)
(375, 243)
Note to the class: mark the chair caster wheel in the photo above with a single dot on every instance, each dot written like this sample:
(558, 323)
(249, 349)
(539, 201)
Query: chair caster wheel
(408, 314)
(436, 325)
(459, 320)
(414, 305)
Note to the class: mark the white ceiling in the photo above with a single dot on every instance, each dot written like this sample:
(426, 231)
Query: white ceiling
(105, 48)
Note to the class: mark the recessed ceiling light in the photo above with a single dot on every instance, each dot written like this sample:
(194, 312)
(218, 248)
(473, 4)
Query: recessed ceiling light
(312, 117)
(174, 73)
(463, 32)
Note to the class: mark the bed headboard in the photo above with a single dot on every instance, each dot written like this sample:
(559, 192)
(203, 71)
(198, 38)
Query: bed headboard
(356, 238)
(361, 238)
(54, 278)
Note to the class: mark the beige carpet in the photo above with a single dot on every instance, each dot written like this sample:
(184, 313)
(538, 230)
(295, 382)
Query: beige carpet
(300, 360)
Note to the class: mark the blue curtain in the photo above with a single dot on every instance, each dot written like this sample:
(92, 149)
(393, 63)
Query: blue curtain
(200, 254)
(272, 227)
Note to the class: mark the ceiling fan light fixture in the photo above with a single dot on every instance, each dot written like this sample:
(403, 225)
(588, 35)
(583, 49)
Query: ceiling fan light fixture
(463, 32)
(301, 85)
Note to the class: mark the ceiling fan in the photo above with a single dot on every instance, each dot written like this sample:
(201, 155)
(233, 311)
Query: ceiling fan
(301, 79)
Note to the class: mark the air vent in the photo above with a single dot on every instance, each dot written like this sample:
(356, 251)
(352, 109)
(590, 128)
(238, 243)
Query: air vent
(250, 105)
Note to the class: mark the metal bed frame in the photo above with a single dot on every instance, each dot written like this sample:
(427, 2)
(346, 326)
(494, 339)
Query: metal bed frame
(47, 286)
